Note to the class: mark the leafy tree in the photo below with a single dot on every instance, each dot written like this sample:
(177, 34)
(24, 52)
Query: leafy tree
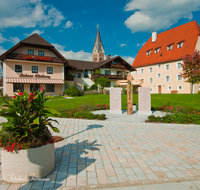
(191, 68)
(102, 81)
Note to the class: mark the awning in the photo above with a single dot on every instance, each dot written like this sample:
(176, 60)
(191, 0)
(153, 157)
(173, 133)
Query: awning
(34, 80)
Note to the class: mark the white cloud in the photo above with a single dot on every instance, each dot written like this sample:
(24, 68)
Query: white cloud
(35, 31)
(14, 40)
(129, 59)
(68, 24)
(2, 39)
(28, 14)
(122, 45)
(2, 50)
(80, 55)
(156, 15)
(138, 44)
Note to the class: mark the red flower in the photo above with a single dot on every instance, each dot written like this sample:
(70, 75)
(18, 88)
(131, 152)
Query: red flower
(41, 89)
(0, 93)
(19, 145)
(20, 148)
(75, 109)
(51, 141)
(45, 143)
(14, 96)
(20, 93)
(23, 144)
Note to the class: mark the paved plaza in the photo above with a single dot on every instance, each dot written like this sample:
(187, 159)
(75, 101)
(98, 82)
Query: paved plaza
(112, 154)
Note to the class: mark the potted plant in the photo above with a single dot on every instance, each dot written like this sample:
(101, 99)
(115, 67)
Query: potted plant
(25, 138)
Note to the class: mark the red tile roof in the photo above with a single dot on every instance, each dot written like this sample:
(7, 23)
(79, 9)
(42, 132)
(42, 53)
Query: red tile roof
(187, 33)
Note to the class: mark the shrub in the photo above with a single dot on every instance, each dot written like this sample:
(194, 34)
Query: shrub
(198, 92)
(101, 117)
(167, 118)
(72, 91)
(85, 87)
(94, 87)
(124, 90)
(154, 118)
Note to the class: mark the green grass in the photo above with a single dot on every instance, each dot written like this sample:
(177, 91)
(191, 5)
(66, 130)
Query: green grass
(157, 100)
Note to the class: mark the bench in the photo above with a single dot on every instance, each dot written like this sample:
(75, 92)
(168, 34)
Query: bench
(174, 91)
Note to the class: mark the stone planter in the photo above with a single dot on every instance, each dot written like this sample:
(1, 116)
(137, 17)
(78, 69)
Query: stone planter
(26, 165)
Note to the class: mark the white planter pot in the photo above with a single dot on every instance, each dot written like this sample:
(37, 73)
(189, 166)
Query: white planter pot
(25, 165)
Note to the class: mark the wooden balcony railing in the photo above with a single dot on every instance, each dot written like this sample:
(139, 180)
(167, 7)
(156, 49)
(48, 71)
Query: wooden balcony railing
(120, 77)
(117, 66)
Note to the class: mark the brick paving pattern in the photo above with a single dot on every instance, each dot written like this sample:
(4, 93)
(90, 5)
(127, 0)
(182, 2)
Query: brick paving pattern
(97, 154)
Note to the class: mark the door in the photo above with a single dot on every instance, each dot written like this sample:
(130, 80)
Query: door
(159, 89)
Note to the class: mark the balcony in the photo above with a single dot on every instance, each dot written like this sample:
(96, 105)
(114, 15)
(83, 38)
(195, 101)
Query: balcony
(119, 77)
(117, 66)
(18, 56)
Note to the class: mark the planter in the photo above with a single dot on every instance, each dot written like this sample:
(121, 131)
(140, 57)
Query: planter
(26, 165)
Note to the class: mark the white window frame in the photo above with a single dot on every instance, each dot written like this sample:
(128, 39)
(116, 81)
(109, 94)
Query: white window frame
(151, 90)
(143, 80)
(151, 68)
(177, 77)
(156, 51)
(135, 72)
(148, 52)
(158, 66)
(158, 74)
(169, 47)
(181, 87)
(166, 67)
(180, 45)
(166, 78)
(150, 80)
(141, 71)
(198, 88)
(168, 88)
(178, 64)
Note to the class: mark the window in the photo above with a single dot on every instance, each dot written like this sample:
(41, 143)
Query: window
(141, 71)
(158, 75)
(50, 87)
(79, 75)
(86, 74)
(34, 87)
(150, 69)
(101, 59)
(17, 87)
(169, 88)
(41, 53)
(115, 63)
(18, 68)
(179, 66)
(135, 72)
(34, 69)
(199, 88)
(180, 87)
(148, 52)
(167, 67)
(74, 75)
(150, 80)
(156, 50)
(159, 66)
(107, 72)
(142, 81)
(151, 90)
(169, 47)
(119, 73)
(180, 45)
(167, 78)
(179, 77)
(30, 52)
(49, 70)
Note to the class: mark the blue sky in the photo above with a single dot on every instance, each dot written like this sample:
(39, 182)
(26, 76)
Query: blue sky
(71, 26)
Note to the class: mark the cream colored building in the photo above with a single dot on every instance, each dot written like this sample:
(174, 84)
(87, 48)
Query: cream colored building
(31, 64)
(158, 62)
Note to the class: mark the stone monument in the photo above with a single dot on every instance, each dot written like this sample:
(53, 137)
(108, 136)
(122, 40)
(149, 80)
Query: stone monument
(144, 99)
(129, 83)
(115, 100)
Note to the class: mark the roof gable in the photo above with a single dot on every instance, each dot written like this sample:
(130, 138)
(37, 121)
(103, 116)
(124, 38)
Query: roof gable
(187, 33)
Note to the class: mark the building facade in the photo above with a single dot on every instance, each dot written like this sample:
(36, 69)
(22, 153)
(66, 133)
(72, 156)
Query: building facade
(158, 62)
(31, 64)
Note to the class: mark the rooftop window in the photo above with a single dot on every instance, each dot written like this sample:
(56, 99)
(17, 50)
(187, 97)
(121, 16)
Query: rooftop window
(169, 47)
(156, 50)
(148, 52)
(180, 45)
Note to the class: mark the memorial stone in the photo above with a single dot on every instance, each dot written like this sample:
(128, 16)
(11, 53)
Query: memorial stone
(115, 100)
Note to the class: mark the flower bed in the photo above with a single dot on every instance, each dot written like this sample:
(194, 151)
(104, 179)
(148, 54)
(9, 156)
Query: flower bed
(184, 115)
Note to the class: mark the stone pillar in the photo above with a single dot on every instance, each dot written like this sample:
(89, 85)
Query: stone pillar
(144, 99)
(129, 98)
(115, 100)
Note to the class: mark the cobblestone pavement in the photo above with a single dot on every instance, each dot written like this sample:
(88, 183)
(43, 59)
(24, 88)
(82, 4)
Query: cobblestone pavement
(103, 154)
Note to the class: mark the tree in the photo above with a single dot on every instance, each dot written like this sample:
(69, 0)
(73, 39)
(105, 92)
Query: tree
(102, 81)
(191, 68)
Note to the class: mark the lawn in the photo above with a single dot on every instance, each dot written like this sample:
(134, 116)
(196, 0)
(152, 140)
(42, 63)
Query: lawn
(157, 100)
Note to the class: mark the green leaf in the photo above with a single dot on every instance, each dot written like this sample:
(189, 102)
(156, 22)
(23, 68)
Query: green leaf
(52, 111)
(36, 121)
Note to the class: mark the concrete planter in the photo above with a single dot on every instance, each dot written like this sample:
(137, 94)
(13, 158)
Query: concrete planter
(26, 165)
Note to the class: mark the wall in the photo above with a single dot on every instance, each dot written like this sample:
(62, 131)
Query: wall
(172, 72)
(24, 50)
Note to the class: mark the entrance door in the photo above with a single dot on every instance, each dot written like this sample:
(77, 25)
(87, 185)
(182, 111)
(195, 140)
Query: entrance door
(159, 89)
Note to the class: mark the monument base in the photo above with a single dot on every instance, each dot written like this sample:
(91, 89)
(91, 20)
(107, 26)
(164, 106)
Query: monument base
(145, 112)
(115, 112)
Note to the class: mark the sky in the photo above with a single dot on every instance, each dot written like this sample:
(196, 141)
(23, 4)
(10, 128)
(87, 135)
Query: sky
(71, 26)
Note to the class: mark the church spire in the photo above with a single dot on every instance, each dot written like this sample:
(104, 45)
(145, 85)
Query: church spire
(98, 53)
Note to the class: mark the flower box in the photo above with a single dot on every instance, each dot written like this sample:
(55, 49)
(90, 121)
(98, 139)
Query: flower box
(27, 165)
(37, 58)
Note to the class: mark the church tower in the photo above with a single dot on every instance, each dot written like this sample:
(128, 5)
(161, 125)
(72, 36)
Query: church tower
(98, 53)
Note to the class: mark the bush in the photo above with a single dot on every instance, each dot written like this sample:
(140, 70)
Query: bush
(85, 87)
(198, 92)
(72, 91)
(124, 90)
(154, 118)
(94, 87)
(167, 118)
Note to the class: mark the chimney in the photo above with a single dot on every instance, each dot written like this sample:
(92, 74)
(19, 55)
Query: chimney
(154, 36)
(108, 57)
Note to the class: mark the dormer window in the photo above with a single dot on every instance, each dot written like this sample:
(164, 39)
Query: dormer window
(148, 52)
(156, 50)
(180, 45)
(169, 47)
(115, 63)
